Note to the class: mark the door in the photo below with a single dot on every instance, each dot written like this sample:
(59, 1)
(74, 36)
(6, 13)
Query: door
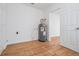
(77, 30)
(67, 29)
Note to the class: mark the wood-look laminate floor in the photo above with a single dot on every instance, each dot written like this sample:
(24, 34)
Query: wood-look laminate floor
(36, 48)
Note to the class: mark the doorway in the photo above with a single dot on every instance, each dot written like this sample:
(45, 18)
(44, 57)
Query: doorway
(54, 25)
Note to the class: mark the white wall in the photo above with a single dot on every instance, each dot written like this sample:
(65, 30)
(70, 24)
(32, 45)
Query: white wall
(54, 25)
(21, 18)
(3, 25)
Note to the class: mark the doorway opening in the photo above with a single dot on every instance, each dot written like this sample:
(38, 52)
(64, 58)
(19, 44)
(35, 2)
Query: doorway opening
(54, 26)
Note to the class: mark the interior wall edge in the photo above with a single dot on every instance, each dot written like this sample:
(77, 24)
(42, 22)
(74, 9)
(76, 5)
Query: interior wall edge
(3, 48)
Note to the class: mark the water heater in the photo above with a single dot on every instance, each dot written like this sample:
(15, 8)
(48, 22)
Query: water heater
(42, 32)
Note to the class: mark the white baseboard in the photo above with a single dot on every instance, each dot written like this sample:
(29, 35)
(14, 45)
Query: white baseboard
(20, 41)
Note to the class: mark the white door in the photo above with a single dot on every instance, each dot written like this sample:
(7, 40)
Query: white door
(77, 30)
(68, 32)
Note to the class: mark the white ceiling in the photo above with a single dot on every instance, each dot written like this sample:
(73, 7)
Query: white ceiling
(42, 6)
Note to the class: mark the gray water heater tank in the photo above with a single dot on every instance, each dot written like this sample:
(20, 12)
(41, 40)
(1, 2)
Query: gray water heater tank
(42, 33)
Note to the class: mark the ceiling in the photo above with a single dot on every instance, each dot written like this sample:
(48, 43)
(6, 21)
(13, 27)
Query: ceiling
(42, 6)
